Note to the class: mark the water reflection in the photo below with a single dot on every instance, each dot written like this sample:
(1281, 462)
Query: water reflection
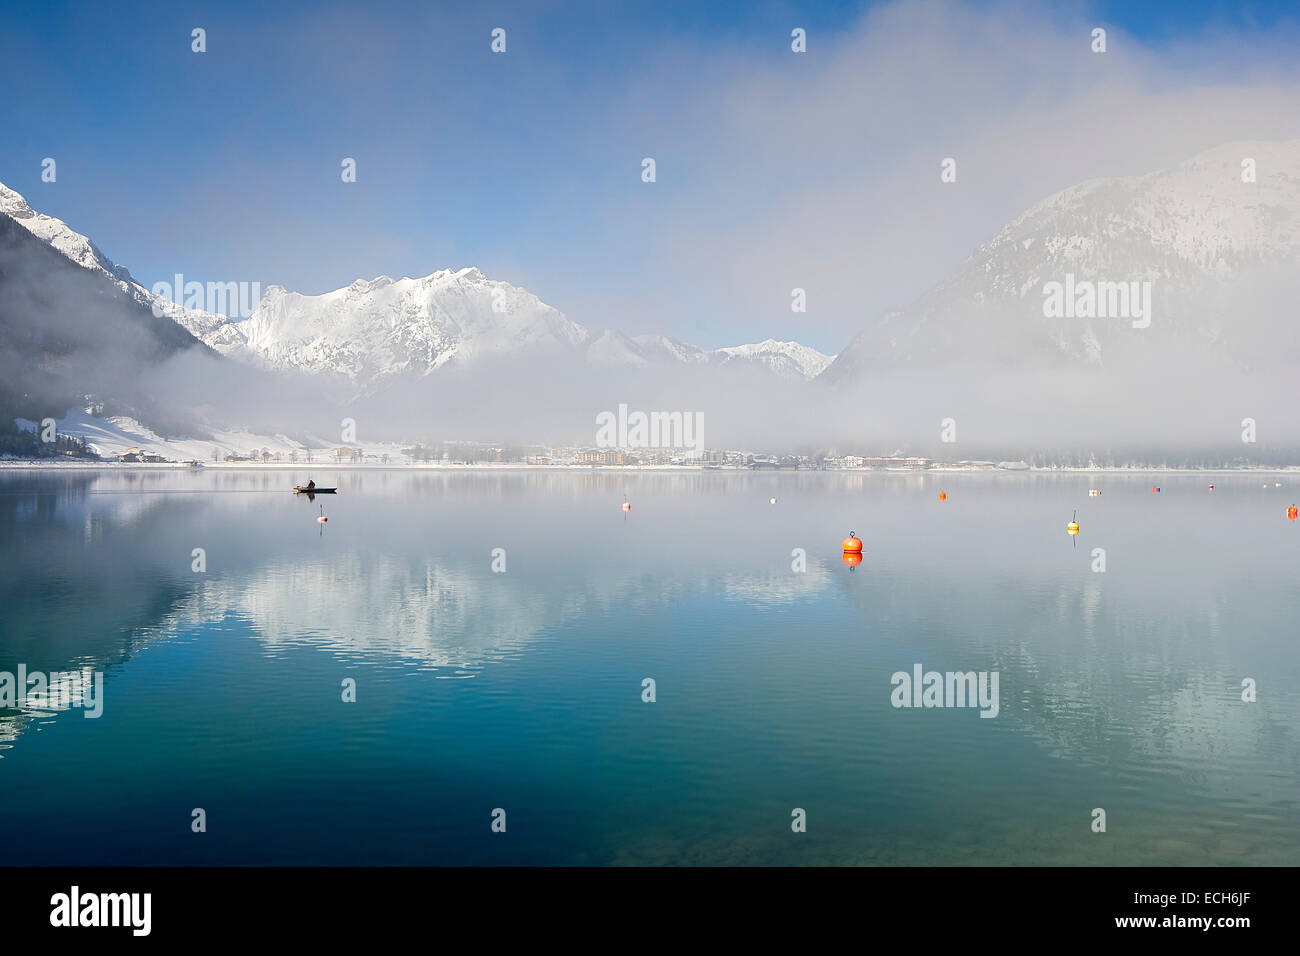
(1120, 688)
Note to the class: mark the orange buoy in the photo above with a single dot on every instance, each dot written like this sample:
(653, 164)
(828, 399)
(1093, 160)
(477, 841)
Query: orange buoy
(627, 505)
(853, 558)
(1292, 512)
(943, 496)
(773, 501)
(1155, 490)
(322, 519)
(853, 544)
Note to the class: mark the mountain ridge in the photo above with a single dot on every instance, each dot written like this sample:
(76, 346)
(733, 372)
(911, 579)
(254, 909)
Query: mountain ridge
(374, 330)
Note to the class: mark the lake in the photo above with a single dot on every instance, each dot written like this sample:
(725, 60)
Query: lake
(513, 679)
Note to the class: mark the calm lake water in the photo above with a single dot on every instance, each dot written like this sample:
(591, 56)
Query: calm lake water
(522, 690)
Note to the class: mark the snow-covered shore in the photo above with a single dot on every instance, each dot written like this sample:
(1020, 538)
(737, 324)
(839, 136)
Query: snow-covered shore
(118, 435)
(328, 465)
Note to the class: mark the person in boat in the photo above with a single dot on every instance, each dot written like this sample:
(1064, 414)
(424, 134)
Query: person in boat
(311, 484)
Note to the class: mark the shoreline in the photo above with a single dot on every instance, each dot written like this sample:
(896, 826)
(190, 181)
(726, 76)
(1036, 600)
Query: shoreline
(40, 465)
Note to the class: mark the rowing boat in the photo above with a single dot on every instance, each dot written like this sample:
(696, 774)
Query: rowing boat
(303, 490)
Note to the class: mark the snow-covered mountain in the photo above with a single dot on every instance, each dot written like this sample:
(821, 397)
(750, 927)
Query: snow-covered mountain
(212, 329)
(787, 359)
(376, 331)
(383, 328)
(1209, 244)
(58, 234)
(69, 329)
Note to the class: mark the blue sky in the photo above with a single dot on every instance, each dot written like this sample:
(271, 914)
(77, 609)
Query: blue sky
(774, 170)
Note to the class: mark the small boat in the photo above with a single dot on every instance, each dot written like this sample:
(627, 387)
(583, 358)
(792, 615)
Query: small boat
(304, 490)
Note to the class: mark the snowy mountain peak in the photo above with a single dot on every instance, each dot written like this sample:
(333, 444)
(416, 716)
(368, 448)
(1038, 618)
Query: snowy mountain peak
(375, 330)
(205, 326)
(367, 285)
(788, 358)
(58, 234)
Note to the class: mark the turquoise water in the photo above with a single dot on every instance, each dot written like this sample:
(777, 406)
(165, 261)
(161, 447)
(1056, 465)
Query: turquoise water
(522, 690)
